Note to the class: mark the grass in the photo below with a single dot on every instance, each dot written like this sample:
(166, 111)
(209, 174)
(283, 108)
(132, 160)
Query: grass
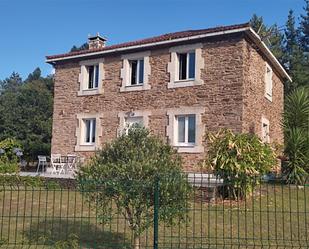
(275, 216)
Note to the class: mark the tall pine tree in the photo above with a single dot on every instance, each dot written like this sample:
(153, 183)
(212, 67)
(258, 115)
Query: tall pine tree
(304, 28)
(272, 36)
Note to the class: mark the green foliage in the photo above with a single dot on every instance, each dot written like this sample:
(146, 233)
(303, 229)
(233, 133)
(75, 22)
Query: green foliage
(304, 28)
(26, 115)
(9, 160)
(240, 160)
(82, 47)
(16, 181)
(125, 172)
(11, 83)
(296, 131)
(70, 243)
(272, 36)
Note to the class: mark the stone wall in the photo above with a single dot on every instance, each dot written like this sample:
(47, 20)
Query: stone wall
(256, 104)
(232, 81)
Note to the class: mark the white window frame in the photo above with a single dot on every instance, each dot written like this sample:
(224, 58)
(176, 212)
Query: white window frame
(95, 68)
(268, 82)
(84, 131)
(137, 73)
(81, 144)
(186, 135)
(173, 66)
(125, 73)
(187, 66)
(265, 137)
(84, 77)
(140, 114)
(172, 129)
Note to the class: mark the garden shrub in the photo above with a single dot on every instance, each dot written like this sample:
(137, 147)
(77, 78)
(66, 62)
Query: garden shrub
(240, 160)
(10, 150)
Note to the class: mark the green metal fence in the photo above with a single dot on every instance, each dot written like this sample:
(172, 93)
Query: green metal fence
(273, 215)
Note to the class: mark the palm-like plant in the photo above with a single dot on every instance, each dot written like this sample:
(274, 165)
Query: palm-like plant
(296, 132)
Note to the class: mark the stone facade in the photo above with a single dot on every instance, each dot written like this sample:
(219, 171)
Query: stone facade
(232, 96)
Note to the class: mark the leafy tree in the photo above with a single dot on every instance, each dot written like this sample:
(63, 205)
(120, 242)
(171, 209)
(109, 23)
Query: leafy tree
(240, 160)
(26, 115)
(82, 47)
(11, 83)
(296, 131)
(125, 171)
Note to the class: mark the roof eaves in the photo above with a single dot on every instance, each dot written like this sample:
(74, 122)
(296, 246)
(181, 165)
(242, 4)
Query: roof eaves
(257, 39)
(188, 38)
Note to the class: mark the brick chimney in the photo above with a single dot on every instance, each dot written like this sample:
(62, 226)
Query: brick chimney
(96, 41)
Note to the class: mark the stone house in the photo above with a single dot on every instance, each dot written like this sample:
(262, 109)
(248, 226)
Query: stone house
(179, 85)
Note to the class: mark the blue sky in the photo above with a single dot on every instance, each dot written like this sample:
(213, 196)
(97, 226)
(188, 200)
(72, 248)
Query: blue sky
(31, 29)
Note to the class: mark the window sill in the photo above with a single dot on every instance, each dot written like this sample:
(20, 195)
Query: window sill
(86, 147)
(269, 98)
(88, 92)
(189, 149)
(184, 83)
(135, 88)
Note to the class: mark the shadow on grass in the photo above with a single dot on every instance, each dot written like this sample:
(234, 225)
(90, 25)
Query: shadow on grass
(61, 233)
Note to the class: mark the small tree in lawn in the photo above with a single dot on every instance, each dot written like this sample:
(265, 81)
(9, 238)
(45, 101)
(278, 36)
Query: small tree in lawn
(124, 173)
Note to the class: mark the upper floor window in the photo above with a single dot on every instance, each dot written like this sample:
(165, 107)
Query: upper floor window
(268, 82)
(186, 68)
(91, 77)
(135, 72)
(186, 65)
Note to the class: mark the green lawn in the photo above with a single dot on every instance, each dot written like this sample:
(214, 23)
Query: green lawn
(276, 216)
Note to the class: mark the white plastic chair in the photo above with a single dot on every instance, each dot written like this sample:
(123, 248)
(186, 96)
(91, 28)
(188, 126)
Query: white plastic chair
(57, 164)
(42, 163)
(71, 162)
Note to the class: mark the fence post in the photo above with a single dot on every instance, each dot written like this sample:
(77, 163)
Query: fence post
(156, 214)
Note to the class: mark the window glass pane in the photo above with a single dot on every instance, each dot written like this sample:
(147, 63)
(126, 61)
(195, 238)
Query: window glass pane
(192, 65)
(90, 77)
(134, 120)
(96, 76)
(87, 130)
(191, 129)
(182, 66)
(268, 81)
(93, 130)
(133, 72)
(141, 72)
(181, 129)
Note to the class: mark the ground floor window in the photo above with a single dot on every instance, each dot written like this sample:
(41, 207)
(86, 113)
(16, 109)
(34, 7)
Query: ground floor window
(186, 130)
(90, 130)
(265, 130)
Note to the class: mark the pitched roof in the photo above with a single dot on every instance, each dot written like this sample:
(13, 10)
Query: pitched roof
(173, 38)
(160, 38)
